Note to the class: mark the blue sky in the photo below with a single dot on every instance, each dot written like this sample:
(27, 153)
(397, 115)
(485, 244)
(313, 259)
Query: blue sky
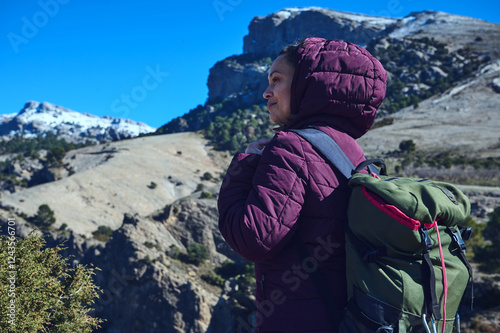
(145, 60)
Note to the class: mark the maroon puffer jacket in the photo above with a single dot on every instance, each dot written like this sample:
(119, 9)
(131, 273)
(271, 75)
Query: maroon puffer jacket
(265, 199)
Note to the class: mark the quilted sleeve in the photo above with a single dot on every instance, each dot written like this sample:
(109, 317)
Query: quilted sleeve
(261, 198)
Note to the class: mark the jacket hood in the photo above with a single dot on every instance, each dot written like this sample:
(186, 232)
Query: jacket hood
(336, 83)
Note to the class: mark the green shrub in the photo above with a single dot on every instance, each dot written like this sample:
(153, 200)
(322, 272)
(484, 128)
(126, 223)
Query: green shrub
(103, 233)
(30, 147)
(214, 279)
(207, 176)
(487, 255)
(407, 68)
(230, 269)
(40, 293)
(383, 122)
(44, 217)
(476, 242)
(196, 253)
(234, 130)
(489, 299)
(173, 251)
(55, 156)
(407, 146)
(206, 195)
(246, 289)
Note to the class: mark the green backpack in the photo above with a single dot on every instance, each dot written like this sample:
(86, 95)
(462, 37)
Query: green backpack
(406, 264)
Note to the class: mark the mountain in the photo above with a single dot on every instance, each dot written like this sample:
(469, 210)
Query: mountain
(40, 118)
(424, 53)
(155, 196)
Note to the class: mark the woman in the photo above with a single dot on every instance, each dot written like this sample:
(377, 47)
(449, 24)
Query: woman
(282, 187)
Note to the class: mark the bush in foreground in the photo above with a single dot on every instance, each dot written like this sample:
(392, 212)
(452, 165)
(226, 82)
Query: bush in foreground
(40, 293)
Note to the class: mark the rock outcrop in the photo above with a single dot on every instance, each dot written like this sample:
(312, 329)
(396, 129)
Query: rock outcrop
(232, 78)
(161, 294)
(268, 35)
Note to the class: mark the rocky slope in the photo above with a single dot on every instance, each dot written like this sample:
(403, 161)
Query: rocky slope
(425, 52)
(456, 31)
(462, 118)
(38, 118)
(148, 191)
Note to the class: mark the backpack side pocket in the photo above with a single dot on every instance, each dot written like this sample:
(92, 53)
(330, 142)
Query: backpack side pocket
(366, 314)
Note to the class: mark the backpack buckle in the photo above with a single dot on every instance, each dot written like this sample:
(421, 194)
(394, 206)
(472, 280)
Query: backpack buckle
(426, 240)
(458, 239)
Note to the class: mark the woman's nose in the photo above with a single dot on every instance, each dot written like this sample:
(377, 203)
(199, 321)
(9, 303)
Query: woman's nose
(267, 93)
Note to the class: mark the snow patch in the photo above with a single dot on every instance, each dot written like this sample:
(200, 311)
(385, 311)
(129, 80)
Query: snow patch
(360, 18)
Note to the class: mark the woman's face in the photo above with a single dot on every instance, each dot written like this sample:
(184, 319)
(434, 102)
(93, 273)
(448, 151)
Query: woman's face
(278, 92)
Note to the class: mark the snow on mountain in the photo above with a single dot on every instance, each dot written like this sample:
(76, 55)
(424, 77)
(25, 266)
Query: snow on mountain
(39, 118)
(360, 18)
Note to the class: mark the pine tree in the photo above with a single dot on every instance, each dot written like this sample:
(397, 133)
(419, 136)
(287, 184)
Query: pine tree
(40, 293)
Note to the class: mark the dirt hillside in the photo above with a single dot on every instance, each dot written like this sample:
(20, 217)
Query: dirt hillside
(138, 176)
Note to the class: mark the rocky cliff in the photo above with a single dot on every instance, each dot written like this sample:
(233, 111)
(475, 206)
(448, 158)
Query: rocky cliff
(245, 76)
(268, 35)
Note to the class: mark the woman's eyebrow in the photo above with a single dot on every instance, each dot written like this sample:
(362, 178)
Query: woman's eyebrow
(273, 72)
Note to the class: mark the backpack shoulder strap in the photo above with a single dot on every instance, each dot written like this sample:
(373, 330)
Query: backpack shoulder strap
(328, 147)
(333, 153)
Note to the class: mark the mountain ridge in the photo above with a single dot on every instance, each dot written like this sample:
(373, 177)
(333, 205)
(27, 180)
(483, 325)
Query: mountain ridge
(450, 47)
(40, 118)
